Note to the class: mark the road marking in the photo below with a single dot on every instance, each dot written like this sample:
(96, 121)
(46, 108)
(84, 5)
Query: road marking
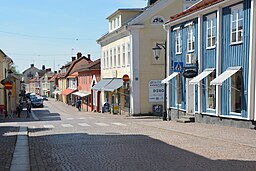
(70, 118)
(48, 126)
(67, 125)
(81, 118)
(118, 124)
(101, 124)
(84, 124)
(91, 117)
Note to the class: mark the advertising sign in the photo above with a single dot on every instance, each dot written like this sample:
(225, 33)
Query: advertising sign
(155, 91)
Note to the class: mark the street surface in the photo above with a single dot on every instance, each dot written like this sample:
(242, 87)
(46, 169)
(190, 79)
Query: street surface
(66, 139)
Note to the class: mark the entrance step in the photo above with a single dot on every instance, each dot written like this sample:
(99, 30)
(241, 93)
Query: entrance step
(187, 118)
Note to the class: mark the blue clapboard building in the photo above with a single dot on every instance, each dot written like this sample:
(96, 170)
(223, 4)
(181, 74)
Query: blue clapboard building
(215, 41)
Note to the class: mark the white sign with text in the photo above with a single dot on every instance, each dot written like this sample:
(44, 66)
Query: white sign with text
(155, 91)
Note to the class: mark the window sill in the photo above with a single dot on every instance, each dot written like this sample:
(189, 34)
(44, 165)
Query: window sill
(210, 48)
(236, 43)
(191, 51)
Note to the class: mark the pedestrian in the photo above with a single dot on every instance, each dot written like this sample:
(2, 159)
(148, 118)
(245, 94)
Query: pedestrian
(78, 104)
(18, 109)
(28, 108)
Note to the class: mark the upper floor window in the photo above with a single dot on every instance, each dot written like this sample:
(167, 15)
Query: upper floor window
(237, 24)
(104, 60)
(124, 55)
(211, 31)
(178, 43)
(128, 54)
(111, 59)
(114, 57)
(118, 56)
(157, 20)
(107, 61)
(191, 37)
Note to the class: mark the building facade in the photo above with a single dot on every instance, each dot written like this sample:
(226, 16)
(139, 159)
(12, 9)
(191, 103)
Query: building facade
(217, 40)
(127, 50)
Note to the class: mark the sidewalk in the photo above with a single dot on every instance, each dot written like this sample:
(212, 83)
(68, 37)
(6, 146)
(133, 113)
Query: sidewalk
(9, 130)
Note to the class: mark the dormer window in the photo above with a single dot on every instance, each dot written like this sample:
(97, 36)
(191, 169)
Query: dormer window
(157, 20)
(115, 23)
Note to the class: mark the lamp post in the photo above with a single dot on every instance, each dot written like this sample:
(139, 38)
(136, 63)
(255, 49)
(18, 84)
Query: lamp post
(157, 51)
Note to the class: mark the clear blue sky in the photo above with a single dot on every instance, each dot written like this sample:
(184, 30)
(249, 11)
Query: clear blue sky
(45, 31)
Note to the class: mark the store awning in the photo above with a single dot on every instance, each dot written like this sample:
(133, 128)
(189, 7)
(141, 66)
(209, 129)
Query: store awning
(67, 91)
(167, 79)
(116, 83)
(103, 82)
(201, 76)
(81, 93)
(225, 75)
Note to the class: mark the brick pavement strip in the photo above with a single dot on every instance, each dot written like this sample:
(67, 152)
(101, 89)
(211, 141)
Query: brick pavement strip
(7, 146)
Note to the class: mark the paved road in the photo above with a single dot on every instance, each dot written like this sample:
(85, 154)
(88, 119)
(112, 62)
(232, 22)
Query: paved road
(65, 139)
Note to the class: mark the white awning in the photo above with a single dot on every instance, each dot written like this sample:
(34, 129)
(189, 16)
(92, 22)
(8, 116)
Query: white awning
(81, 93)
(225, 75)
(201, 76)
(115, 84)
(167, 79)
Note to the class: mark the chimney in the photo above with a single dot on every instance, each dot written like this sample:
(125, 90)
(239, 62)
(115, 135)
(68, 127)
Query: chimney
(59, 71)
(73, 58)
(43, 67)
(55, 72)
(150, 2)
(32, 65)
(79, 55)
(89, 56)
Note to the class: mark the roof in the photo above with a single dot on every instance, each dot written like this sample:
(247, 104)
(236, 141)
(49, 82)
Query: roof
(74, 62)
(196, 7)
(90, 66)
(125, 9)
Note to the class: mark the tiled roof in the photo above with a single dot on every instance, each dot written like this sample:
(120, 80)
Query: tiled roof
(198, 6)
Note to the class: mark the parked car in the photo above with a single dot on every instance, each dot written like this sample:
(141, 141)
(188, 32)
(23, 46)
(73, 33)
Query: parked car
(37, 102)
(45, 97)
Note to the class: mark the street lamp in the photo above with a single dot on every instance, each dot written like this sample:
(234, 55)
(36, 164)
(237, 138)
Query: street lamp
(157, 51)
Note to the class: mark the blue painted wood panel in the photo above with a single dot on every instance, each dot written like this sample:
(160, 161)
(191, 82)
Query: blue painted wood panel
(181, 58)
(235, 55)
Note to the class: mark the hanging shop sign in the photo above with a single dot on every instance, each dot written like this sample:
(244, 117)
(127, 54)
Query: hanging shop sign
(190, 73)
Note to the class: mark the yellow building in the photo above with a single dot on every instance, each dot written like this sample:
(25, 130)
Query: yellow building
(127, 50)
(6, 96)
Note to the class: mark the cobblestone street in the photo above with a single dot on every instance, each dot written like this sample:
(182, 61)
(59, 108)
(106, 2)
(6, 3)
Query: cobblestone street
(64, 139)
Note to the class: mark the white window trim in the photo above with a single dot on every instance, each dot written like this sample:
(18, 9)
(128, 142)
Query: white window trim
(178, 32)
(237, 7)
(159, 23)
(207, 103)
(123, 55)
(233, 113)
(192, 36)
(119, 56)
(210, 18)
(128, 56)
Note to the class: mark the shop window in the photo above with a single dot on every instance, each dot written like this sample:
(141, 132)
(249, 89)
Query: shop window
(210, 92)
(236, 93)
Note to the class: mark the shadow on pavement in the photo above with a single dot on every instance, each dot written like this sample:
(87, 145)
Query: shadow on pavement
(81, 151)
(46, 115)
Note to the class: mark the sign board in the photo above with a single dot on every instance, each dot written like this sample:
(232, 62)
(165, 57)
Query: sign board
(8, 85)
(190, 73)
(178, 66)
(155, 91)
(126, 78)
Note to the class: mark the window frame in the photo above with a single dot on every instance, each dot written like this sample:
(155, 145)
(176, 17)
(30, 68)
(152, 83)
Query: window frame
(178, 39)
(123, 55)
(128, 54)
(191, 37)
(211, 28)
(235, 89)
(235, 10)
(118, 56)
(178, 89)
(208, 80)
